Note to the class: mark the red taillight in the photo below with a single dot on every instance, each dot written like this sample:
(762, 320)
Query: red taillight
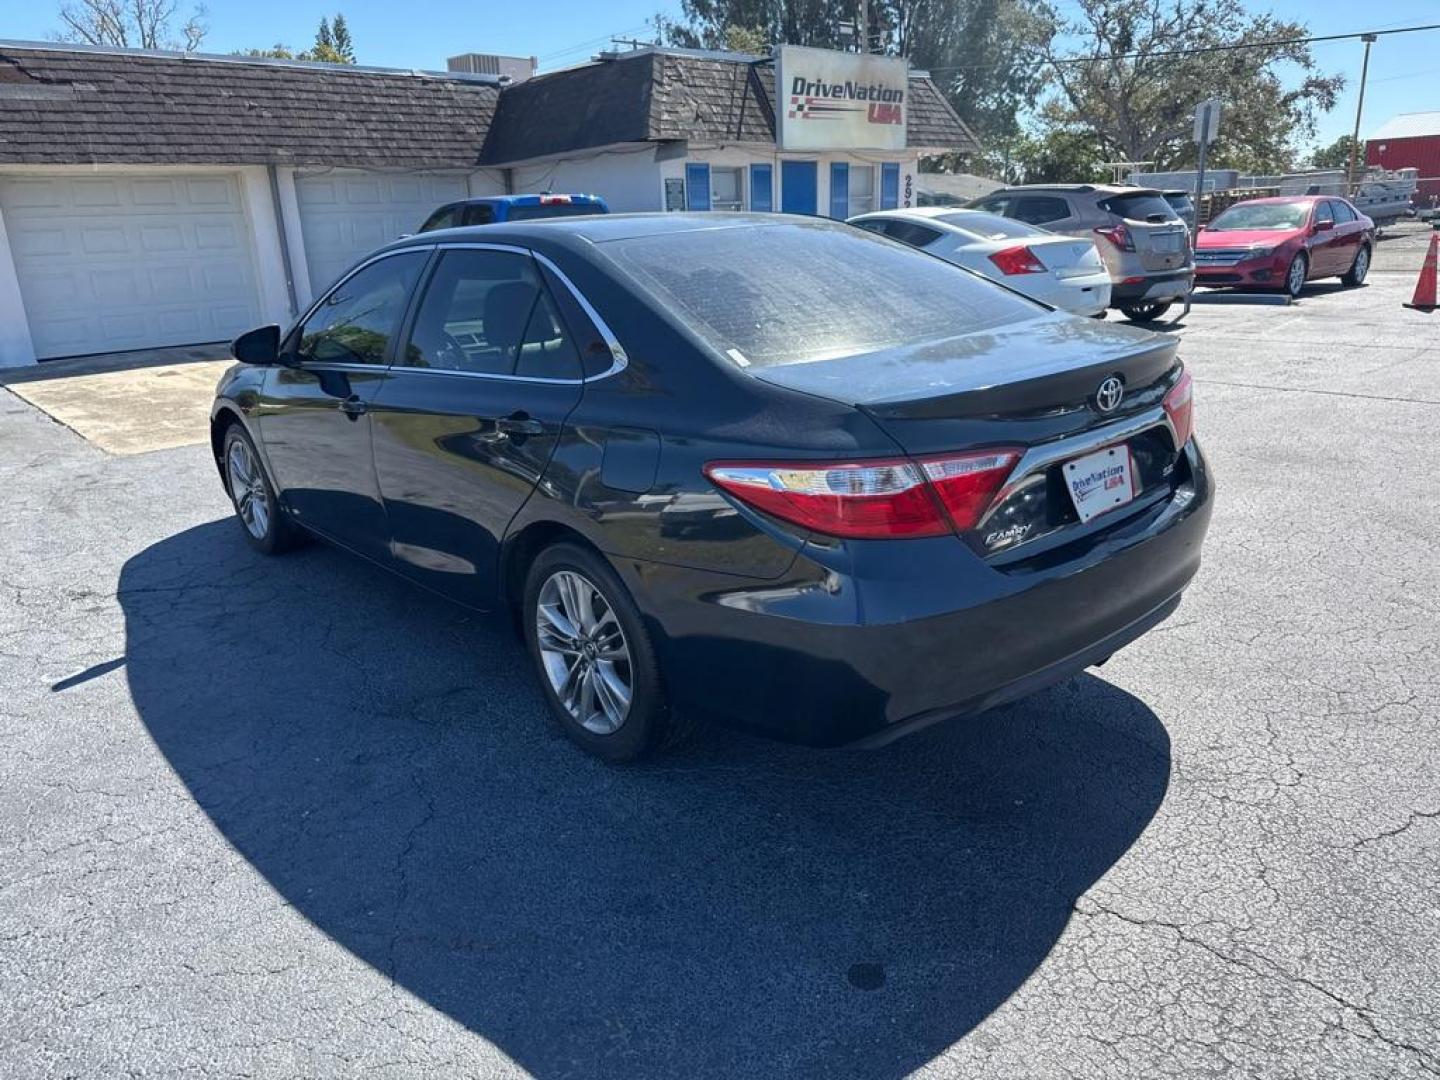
(1118, 235)
(1180, 408)
(1017, 260)
(873, 499)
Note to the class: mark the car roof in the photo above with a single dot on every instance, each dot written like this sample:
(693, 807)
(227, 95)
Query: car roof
(522, 200)
(1283, 199)
(601, 228)
(1103, 189)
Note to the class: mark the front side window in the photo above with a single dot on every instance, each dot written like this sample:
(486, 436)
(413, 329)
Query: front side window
(862, 189)
(725, 189)
(1322, 212)
(445, 218)
(354, 324)
(474, 313)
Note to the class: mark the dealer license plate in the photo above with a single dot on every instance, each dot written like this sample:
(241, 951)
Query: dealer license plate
(1100, 481)
(1165, 243)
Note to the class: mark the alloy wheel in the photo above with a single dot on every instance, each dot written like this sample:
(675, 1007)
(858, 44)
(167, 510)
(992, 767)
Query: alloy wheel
(1361, 267)
(584, 651)
(247, 488)
(1295, 277)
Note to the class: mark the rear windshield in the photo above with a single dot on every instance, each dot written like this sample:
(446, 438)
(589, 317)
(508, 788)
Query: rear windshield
(1261, 216)
(1140, 207)
(990, 226)
(793, 292)
(549, 210)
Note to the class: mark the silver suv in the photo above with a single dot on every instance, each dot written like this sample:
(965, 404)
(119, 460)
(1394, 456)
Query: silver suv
(1144, 243)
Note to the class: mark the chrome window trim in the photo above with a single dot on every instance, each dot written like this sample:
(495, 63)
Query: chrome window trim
(1038, 458)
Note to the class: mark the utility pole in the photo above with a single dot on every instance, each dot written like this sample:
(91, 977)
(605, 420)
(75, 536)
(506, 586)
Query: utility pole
(864, 26)
(1350, 182)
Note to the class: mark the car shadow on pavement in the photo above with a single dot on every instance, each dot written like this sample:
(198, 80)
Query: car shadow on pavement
(735, 907)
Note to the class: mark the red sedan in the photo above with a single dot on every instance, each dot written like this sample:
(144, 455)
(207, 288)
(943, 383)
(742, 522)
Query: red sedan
(1283, 242)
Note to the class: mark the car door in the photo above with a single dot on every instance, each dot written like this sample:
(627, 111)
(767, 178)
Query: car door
(1348, 235)
(313, 415)
(471, 414)
(1324, 257)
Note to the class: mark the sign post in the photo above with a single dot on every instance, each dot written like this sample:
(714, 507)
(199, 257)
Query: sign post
(1207, 127)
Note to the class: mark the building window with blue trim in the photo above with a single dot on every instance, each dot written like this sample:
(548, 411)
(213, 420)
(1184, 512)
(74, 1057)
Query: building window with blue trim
(862, 190)
(726, 192)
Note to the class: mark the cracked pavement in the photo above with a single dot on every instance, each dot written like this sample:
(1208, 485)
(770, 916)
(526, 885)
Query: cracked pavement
(292, 817)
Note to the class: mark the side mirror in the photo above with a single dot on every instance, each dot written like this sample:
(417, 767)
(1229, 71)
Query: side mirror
(1322, 226)
(260, 346)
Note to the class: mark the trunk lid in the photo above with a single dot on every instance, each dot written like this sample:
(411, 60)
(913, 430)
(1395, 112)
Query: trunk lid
(1065, 256)
(1033, 386)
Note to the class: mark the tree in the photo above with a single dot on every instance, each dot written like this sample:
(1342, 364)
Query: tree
(332, 46)
(1126, 84)
(1334, 156)
(1056, 156)
(138, 24)
(344, 48)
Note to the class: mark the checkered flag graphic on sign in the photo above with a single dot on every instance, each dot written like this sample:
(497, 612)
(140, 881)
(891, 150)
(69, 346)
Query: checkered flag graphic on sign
(797, 107)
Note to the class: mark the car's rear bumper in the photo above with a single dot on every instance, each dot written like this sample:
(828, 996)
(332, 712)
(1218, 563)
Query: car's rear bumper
(1087, 294)
(1172, 285)
(865, 642)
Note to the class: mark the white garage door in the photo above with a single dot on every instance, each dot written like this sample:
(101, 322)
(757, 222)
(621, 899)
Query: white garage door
(346, 213)
(113, 262)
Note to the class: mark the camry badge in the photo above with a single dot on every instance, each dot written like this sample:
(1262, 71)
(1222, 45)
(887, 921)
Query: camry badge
(1109, 394)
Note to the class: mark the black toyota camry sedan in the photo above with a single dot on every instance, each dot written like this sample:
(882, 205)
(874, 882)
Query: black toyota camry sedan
(777, 471)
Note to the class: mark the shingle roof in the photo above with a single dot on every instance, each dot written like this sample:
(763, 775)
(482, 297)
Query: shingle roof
(138, 108)
(660, 95)
(64, 106)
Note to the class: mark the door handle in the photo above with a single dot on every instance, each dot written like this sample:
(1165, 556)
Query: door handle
(352, 407)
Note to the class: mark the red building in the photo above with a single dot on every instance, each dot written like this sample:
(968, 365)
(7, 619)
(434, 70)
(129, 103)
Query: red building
(1410, 140)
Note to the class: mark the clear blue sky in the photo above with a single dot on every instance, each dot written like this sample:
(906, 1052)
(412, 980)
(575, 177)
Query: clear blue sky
(1404, 69)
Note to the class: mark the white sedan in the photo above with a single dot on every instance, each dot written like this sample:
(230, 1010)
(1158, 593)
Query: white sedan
(1062, 271)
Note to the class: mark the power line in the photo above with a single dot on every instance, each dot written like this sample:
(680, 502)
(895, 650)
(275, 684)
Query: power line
(603, 39)
(1203, 49)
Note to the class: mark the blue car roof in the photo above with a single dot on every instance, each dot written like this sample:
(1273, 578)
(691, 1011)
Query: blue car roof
(531, 200)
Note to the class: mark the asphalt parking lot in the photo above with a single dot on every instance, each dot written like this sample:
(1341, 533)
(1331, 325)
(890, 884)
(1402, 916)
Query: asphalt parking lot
(293, 818)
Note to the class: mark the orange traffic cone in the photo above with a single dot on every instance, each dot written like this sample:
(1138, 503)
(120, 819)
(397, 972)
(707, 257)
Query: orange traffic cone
(1424, 298)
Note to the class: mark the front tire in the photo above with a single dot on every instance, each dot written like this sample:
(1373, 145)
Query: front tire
(266, 525)
(1358, 269)
(596, 663)
(1295, 275)
(1147, 312)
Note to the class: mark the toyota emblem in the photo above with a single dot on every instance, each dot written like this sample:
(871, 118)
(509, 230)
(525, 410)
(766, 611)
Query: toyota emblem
(1109, 394)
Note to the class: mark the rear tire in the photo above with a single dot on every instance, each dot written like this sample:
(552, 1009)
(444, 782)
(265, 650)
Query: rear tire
(1295, 275)
(1147, 312)
(591, 648)
(1358, 269)
(263, 521)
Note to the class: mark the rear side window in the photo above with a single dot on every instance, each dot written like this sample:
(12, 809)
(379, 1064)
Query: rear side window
(475, 313)
(1039, 209)
(1146, 206)
(1343, 213)
(912, 233)
(479, 214)
(793, 292)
